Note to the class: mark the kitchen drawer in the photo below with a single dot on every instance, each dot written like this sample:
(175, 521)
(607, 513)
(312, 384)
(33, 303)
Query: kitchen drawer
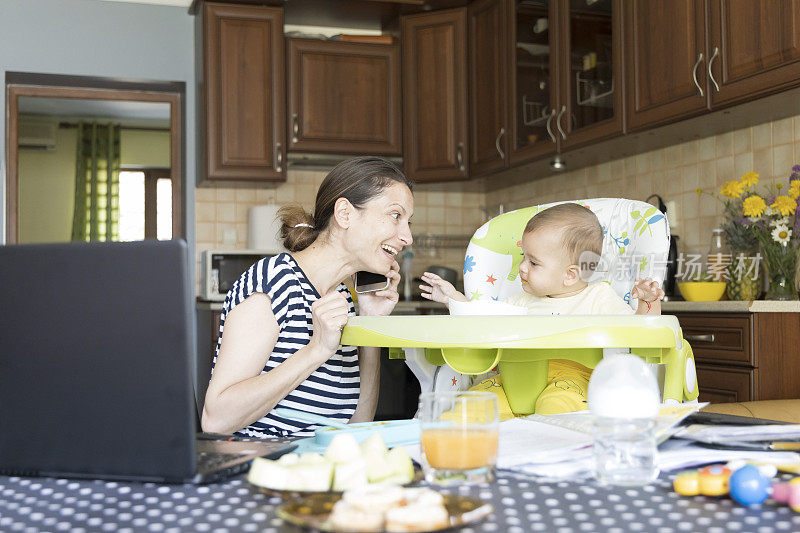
(723, 385)
(718, 338)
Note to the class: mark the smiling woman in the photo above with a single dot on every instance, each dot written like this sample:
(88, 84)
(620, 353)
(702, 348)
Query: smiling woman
(281, 323)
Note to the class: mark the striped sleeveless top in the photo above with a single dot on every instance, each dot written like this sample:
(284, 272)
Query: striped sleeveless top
(332, 390)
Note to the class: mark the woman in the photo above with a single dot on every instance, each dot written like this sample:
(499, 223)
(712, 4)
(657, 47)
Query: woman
(281, 323)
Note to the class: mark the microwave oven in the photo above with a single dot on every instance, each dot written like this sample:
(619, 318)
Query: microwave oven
(221, 269)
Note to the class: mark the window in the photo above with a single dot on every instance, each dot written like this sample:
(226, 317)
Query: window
(145, 204)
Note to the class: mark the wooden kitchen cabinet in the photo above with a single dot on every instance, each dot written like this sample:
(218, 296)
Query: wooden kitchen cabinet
(744, 356)
(562, 61)
(435, 95)
(664, 60)
(684, 57)
(344, 97)
(242, 93)
(753, 49)
(488, 81)
(590, 72)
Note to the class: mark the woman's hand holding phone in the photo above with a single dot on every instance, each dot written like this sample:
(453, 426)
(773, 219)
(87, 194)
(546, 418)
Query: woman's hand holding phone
(381, 303)
(329, 316)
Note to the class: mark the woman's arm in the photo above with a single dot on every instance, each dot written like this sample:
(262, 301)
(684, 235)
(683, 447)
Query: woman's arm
(238, 393)
(369, 362)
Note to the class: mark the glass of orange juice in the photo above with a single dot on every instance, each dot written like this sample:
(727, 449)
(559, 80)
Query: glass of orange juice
(459, 436)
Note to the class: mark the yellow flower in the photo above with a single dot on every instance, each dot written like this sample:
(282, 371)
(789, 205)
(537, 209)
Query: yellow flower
(794, 190)
(698, 190)
(754, 206)
(732, 189)
(749, 179)
(784, 205)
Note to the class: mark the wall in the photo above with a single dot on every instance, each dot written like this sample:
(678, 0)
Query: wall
(47, 180)
(440, 212)
(674, 172)
(47, 191)
(105, 39)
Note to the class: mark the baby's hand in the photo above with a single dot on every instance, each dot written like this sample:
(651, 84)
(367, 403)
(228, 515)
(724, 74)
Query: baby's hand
(647, 290)
(439, 290)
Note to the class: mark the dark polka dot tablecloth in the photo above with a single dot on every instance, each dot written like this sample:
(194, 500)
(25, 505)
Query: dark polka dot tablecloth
(521, 505)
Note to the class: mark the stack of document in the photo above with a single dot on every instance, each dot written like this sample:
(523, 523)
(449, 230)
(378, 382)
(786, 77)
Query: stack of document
(559, 447)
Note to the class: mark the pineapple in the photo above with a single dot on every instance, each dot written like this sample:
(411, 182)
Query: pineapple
(744, 277)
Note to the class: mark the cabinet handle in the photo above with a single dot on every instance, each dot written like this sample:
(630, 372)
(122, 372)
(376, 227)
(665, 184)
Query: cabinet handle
(558, 122)
(707, 337)
(549, 129)
(295, 128)
(497, 143)
(279, 157)
(460, 157)
(710, 62)
(694, 73)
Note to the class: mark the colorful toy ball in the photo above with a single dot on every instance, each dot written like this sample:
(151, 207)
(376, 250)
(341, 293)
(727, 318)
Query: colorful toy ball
(713, 480)
(748, 486)
(687, 483)
(794, 496)
(780, 492)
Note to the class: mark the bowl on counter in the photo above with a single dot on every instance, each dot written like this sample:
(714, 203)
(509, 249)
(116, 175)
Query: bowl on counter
(702, 291)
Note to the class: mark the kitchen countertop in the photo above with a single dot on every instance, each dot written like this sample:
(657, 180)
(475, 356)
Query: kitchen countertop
(731, 306)
(405, 307)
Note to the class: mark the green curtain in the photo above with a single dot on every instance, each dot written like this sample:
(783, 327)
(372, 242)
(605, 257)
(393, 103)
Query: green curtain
(96, 215)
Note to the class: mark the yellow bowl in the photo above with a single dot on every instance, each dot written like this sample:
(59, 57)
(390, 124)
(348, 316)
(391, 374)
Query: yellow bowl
(702, 291)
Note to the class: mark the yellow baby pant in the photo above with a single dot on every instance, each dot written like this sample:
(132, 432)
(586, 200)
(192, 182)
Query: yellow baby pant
(567, 383)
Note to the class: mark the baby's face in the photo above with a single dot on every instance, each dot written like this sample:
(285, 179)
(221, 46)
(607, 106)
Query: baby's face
(543, 268)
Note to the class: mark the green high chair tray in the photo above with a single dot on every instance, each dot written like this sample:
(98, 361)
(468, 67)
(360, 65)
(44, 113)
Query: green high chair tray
(520, 346)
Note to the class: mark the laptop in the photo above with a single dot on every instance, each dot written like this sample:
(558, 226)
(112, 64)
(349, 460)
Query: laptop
(97, 354)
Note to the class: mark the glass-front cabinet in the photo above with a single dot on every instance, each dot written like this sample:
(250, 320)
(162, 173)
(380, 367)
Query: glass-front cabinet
(534, 93)
(565, 87)
(590, 71)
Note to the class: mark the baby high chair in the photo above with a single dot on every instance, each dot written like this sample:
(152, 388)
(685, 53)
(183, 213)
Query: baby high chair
(445, 352)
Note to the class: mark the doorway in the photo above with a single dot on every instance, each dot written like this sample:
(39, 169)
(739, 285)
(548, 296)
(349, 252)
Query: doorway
(45, 112)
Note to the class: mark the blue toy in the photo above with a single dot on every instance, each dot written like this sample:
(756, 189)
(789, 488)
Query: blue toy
(748, 485)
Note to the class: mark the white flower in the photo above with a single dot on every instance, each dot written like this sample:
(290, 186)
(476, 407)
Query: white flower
(769, 211)
(781, 221)
(781, 234)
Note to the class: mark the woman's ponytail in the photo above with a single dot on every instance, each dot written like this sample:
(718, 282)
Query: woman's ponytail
(297, 227)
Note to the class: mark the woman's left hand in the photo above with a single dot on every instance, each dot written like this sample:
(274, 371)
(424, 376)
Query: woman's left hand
(381, 303)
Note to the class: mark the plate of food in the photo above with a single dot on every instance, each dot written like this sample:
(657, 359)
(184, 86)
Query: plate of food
(378, 508)
(346, 464)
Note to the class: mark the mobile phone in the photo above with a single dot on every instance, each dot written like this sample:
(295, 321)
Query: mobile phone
(370, 282)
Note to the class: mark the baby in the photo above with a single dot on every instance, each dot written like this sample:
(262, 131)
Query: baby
(554, 273)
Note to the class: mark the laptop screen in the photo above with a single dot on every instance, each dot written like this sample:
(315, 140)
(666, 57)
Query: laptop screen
(97, 358)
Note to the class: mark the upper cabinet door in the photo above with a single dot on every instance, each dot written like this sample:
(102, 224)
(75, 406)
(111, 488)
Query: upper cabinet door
(243, 101)
(344, 97)
(488, 77)
(665, 60)
(535, 105)
(435, 95)
(754, 48)
(590, 71)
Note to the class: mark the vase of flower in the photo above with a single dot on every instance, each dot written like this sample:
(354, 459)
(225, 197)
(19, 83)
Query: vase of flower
(745, 279)
(765, 220)
(781, 264)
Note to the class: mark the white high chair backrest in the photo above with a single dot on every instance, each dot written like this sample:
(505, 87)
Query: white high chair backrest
(635, 245)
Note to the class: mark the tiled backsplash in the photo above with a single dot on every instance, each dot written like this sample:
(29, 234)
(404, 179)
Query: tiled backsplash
(222, 214)
(674, 172)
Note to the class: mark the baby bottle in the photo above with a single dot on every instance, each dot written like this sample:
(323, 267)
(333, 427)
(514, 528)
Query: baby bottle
(623, 396)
